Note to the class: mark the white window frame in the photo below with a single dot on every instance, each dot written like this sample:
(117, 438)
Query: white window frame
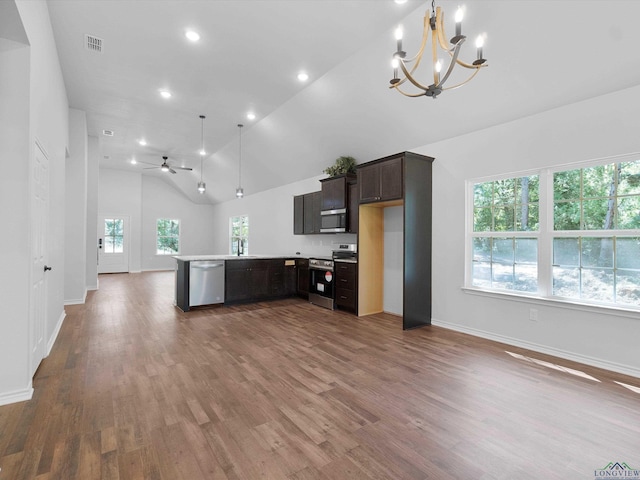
(545, 236)
(179, 221)
(233, 238)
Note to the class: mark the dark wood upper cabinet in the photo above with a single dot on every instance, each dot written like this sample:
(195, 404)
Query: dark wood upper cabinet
(381, 180)
(312, 212)
(298, 215)
(352, 211)
(335, 192)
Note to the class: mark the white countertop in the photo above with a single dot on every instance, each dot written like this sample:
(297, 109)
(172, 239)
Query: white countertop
(195, 258)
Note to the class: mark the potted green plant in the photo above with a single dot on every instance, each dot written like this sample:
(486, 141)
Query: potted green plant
(342, 165)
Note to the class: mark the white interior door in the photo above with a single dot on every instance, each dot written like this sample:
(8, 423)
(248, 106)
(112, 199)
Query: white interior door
(113, 244)
(39, 268)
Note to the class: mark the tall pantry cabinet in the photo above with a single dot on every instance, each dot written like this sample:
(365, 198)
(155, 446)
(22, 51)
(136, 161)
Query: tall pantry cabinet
(403, 179)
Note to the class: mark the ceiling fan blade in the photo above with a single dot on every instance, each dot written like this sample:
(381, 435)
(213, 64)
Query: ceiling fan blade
(183, 168)
(172, 170)
(147, 163)
(149, 168)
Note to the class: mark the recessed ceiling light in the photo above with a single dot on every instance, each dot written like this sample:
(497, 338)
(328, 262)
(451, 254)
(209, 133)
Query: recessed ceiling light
(142, 142)
(107, 133)
(400, 2)
(192, 35)
(251, 116)
(165, 93)
(133, 161)
(303, 76)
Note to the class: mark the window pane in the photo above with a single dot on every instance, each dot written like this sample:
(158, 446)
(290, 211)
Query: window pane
(504, 219)
(566, 185)
(566, 216)
(502, 276)
(483, 194)
(504, 192)
(628, 287)
(481, 262)
(503, 250)
(629, 182)
(597, 284)
(527, 217)
(566, 282)
(108, 245)
(527, 189)
(597, 252)
(595, 213)
(628, 213)
(482, 219)
(526, 278)
(628, 253)
(566, 252)
(118, 244)
(597, 181)
(174, 228)
(527, 251)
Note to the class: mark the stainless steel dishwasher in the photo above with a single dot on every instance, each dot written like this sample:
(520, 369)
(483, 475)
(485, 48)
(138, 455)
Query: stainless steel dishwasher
(206, 282)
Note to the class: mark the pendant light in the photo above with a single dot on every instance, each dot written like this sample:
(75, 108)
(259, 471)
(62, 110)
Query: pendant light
(202, 187)
(239, 190)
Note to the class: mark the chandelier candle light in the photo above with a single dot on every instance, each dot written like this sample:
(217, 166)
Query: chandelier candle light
(239, 190)
(202, 187)
(434, 24)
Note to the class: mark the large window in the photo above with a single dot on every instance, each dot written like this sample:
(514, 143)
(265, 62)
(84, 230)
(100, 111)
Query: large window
(168, 236)
(579, 240)
(504, 245)
(239, 235)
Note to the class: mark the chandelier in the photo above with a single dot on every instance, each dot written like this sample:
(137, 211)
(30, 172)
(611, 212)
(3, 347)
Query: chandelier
(433, 27)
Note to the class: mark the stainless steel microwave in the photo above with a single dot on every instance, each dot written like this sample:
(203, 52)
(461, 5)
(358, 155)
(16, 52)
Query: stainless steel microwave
(333, 221)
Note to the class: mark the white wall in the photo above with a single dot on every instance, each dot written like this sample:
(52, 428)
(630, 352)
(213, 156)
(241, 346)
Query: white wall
(120, 193)
(93, 185)
(393, 259)
(160, 200)
(34, 109)
(145, 199)
(271, 223)
(75, 243)
(600, 127)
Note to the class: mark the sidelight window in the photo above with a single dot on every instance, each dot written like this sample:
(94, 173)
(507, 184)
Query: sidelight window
(239, 235)
(168, 236)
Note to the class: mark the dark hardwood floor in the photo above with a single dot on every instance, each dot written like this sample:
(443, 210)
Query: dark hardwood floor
(136, 389)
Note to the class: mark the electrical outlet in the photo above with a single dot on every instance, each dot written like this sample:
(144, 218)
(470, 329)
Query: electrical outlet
(533, 314)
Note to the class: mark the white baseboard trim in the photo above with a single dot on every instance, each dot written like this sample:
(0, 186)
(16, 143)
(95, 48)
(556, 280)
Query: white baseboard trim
(158, 269)
(77, 301)
(17, 395)
(575, 357)
(56, 331)
(91, 288)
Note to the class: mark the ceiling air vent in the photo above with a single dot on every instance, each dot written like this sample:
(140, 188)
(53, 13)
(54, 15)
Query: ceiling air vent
(93, 44)
(107, 133)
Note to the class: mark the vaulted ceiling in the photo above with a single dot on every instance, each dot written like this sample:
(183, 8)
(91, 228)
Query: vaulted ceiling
(542, 54)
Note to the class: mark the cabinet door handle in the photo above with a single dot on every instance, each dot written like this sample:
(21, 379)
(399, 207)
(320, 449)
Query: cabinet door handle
(343, 279)
(343, 297)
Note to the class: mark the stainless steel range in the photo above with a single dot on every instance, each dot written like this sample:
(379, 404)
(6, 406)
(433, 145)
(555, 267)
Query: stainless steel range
(322, 276)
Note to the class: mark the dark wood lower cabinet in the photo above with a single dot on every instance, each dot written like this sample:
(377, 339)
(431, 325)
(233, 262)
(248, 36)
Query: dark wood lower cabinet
(346, 285)
(303, 277)
(260, 279)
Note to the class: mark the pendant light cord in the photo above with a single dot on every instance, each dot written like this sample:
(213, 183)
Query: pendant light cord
(240, 156)
(202, 117)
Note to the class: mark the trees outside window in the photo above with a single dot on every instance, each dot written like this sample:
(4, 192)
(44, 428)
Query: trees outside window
(167, 236)
(239, 235)
(579, 241)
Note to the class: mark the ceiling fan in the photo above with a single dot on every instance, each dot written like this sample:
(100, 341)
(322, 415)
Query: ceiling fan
(165, 167)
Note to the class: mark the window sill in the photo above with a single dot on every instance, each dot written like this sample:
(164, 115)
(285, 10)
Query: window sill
(628, 312)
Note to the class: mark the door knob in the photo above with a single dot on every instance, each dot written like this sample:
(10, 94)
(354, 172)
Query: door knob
(46, 268)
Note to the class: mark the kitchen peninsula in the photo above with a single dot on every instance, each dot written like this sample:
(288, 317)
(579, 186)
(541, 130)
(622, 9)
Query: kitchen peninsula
(211, 279)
